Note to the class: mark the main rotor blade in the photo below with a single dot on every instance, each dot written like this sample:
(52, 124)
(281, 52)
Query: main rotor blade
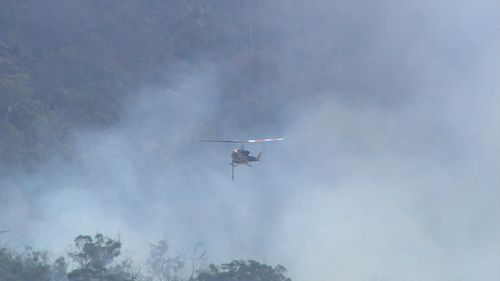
(265, 140)
(232, 141)
(245, 141)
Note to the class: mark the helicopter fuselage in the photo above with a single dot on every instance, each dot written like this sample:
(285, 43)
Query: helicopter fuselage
(242, 156)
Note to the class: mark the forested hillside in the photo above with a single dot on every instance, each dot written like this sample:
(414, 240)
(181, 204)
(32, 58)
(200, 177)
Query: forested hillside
(67, 65)
(388, 170)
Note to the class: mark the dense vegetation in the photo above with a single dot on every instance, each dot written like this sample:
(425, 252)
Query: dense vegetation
(67, 65)
(99, 258)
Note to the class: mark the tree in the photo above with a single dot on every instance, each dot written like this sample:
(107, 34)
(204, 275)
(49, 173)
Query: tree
(165, 267)
(243, 271)
(26, 266)
(96, 259)
(59, 270)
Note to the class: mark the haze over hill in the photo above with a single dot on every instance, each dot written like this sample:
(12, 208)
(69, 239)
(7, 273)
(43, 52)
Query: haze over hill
(390, 110)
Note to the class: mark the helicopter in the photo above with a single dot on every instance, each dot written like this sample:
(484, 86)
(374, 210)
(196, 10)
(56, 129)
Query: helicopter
(240, 156)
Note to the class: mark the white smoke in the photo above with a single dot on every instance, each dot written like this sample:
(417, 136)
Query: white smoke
(389, 170)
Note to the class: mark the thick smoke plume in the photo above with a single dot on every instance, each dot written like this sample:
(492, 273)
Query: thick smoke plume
(389, 171)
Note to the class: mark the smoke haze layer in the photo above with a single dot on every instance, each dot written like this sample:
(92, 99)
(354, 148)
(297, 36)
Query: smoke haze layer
(389, 170)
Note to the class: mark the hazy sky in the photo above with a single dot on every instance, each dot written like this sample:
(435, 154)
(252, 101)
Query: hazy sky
(389, 171)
